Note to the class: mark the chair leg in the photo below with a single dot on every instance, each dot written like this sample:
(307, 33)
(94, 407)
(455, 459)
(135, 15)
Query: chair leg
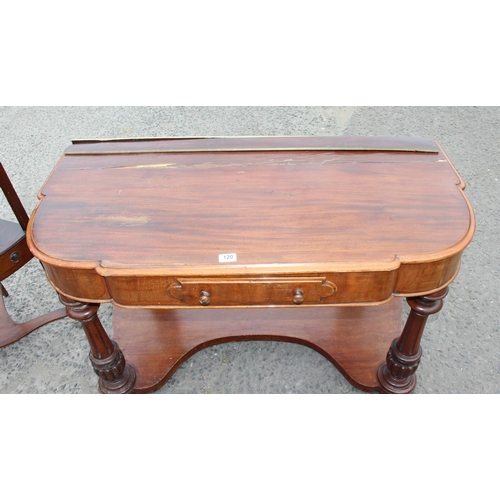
(10, 331)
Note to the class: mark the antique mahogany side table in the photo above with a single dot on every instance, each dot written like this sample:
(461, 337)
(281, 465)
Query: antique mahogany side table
(198, 241)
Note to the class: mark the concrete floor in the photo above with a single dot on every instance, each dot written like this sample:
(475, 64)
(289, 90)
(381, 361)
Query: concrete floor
(461, 346)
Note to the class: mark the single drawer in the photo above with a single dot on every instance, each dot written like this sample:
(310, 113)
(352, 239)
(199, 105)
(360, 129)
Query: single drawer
(251, 291)
(14, 258)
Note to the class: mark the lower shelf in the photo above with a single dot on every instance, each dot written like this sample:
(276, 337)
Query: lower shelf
(354, 339)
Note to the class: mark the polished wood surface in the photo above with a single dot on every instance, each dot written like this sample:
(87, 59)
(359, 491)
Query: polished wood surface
(372, 221)
(115, 375)
(207, 240)
(397, 375)
(354, 339)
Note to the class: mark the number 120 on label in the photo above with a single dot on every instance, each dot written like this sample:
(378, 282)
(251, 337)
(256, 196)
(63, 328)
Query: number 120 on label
(227, 257)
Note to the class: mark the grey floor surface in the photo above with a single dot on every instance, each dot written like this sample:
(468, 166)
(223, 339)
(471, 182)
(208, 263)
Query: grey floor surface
(461, 346)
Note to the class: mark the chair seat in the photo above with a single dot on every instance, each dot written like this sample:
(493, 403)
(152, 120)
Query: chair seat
(14, 254)
(10, 234)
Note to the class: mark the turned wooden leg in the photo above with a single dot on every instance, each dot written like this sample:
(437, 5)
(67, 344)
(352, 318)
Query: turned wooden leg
(115, 375)
(397, 375)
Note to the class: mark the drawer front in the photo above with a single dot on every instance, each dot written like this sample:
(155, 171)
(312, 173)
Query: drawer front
(179, 292)
(14, 258)
(251, 291)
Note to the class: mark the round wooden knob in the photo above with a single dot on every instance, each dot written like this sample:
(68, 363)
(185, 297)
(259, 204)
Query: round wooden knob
(204, 298)
(14, 257)
(298, 297)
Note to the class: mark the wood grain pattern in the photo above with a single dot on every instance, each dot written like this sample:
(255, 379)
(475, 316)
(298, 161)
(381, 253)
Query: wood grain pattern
(354, 339)
(399, 215)
(309, 222)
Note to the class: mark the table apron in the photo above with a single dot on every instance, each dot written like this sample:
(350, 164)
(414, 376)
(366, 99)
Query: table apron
(310, 289)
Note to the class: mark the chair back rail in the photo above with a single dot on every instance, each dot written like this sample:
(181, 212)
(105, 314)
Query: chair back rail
(13, 199)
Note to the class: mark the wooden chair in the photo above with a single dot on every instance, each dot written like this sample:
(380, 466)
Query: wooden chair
(14, 254)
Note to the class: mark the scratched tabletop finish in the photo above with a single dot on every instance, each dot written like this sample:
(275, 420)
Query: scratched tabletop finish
(319, 201)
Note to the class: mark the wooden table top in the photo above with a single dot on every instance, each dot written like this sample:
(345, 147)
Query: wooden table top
(172, 207)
